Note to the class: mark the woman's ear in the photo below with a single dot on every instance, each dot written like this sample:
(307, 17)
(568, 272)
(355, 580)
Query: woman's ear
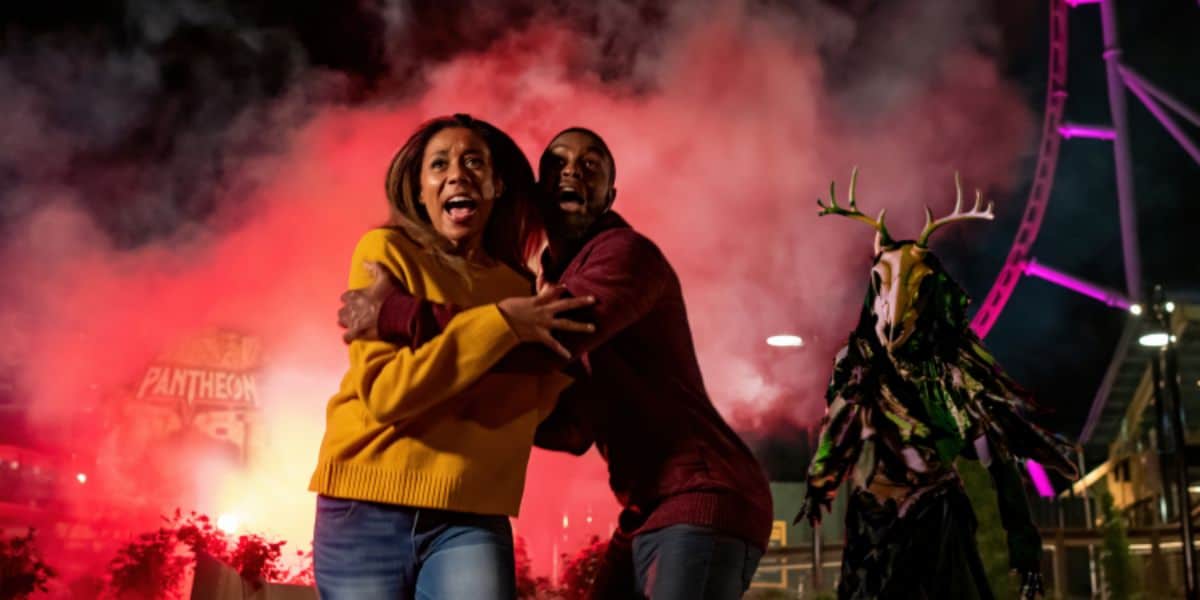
(499, 187)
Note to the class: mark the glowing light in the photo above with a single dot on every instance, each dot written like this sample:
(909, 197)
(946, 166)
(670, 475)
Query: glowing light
(1136, 309)
(785, 341)
(1073, 130)
(1170, 306)
(14, 465)
(565, 521)
(1153, 340)
(228, 523)
(81, 477)
(1040, 480)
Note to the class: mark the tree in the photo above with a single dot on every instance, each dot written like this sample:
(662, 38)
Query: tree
(1119, 575)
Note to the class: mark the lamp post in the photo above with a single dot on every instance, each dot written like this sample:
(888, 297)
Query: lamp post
(1160, 311)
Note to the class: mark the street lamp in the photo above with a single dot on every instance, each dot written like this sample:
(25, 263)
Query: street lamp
(1168, 387)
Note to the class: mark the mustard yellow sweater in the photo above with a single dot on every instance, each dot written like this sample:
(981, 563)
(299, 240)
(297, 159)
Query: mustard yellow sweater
(431, 427)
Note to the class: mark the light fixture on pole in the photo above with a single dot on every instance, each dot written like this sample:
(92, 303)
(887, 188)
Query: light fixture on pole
(785, 340)
(1156, 339)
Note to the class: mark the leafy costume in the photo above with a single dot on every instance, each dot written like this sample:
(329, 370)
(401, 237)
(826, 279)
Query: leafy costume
(913, 390)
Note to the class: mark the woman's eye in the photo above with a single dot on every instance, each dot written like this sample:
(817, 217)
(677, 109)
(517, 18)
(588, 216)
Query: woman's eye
(437, 164)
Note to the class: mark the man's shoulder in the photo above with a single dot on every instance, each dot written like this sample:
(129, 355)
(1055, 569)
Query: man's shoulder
(624, 240)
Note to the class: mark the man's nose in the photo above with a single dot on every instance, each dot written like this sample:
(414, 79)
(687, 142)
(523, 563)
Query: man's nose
(569, 169)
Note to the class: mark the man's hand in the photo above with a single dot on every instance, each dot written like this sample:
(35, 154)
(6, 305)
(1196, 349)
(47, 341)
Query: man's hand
(359, 313)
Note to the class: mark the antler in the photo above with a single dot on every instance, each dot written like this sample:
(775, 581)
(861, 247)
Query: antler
(882, 238)
(958, 215)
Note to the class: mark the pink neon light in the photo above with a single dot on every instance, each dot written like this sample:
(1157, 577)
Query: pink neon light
(1041, 481)
(1092, 291)
(1069, 131)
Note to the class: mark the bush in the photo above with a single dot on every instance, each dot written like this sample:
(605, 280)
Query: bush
(152, 566)
(22, 571)
(528, 586)
(148, 568)
(579, 571)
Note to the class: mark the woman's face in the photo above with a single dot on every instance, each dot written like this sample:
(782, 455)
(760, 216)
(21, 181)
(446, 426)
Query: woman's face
(458, 186)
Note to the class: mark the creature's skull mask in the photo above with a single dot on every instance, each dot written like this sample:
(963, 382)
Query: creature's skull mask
(900, 267)
(896, 280)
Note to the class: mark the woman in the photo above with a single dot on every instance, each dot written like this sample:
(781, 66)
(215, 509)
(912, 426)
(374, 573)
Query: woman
(424, 452)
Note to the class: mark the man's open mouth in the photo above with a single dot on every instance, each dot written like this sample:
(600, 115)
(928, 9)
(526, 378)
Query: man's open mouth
(460, 208)
(569, 198)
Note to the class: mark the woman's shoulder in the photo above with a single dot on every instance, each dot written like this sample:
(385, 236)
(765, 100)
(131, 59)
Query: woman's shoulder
(382, 238)
(394, 249)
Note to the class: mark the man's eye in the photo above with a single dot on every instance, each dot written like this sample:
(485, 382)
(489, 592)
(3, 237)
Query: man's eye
(591, 163)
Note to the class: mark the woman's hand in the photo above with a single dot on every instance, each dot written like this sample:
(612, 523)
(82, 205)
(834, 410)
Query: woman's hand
(532, 318)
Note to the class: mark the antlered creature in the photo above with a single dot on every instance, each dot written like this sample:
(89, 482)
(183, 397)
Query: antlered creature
(912, 391)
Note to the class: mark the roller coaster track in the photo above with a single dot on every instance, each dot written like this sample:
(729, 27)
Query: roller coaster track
(1043, 180)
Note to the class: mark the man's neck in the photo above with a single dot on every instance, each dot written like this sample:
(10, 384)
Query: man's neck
(562, 248)
(560, 251)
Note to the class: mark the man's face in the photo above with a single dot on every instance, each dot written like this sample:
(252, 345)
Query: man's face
(575, 176)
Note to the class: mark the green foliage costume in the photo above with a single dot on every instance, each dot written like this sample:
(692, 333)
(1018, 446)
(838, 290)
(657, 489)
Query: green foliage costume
(913, 390)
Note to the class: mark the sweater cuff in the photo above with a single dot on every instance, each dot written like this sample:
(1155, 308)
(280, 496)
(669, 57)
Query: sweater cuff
(397, 315)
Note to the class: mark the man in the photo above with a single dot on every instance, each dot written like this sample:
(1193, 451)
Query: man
(696, 506)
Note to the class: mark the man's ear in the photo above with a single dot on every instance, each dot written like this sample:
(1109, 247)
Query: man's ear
(612, 197)
(499, 187)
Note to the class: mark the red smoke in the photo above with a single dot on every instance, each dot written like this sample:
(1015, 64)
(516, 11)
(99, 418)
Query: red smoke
(719, 160)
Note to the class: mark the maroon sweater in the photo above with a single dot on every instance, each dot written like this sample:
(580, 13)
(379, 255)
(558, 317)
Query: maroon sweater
(671, 458)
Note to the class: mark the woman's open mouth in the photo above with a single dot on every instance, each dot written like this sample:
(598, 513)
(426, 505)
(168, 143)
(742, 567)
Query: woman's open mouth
(461, 209)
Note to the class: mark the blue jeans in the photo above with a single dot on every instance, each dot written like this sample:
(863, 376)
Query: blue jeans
(371, 551)
(687, 562)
